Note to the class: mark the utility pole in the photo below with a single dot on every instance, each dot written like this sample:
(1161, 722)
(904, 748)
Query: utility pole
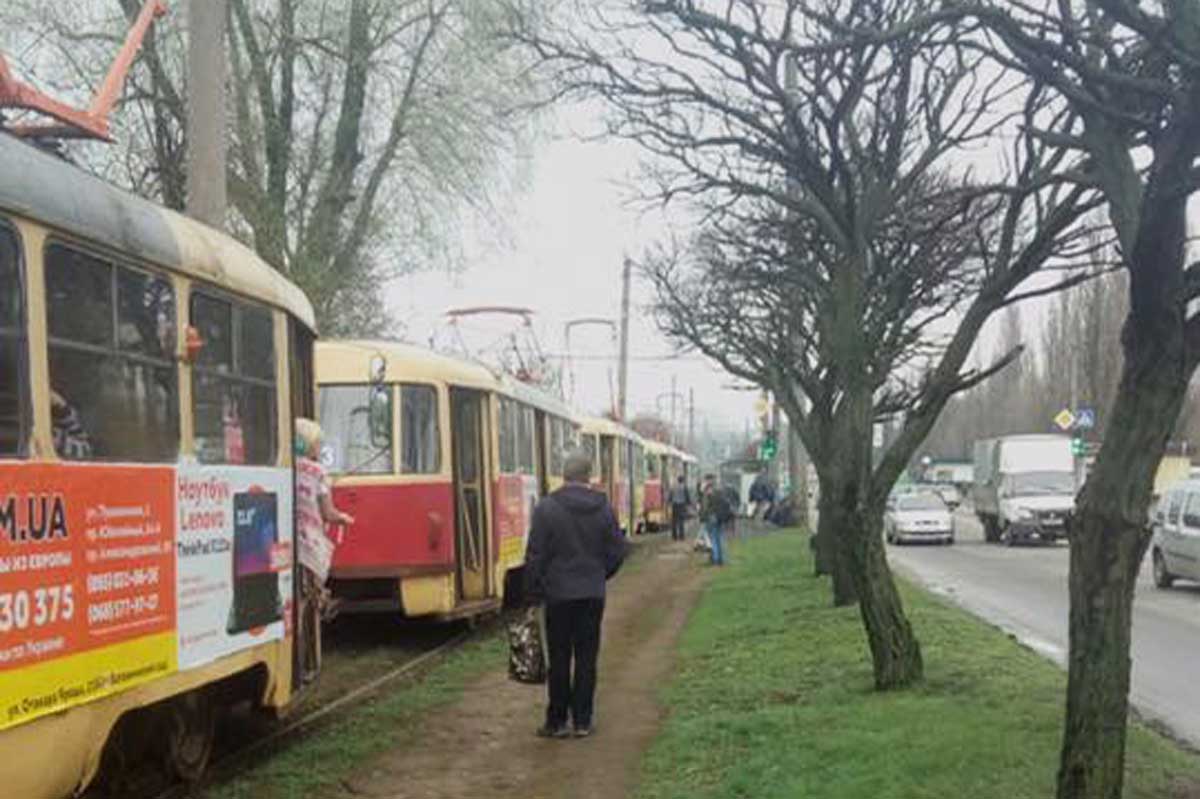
(673, 395)
(623, 358)
(206, 200)
(692, 420)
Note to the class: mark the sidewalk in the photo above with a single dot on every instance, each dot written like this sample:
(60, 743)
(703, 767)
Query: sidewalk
(484, 745)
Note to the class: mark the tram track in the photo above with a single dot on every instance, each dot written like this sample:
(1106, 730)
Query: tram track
(234, 758)
(228, 764)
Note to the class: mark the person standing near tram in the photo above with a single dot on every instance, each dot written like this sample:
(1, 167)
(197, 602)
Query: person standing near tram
(315, 509)
(680, 499)
(575, 546)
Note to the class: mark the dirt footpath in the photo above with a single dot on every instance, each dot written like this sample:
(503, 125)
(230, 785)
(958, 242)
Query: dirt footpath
(485, 746)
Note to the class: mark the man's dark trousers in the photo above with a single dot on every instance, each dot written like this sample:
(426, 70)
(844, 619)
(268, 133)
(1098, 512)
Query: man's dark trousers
(678, 517)
(573, 629)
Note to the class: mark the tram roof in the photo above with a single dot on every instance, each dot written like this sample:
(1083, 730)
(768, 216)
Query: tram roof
(598, 424)
(531, 395)
(55, 193)
(349, 361)
(659, 447)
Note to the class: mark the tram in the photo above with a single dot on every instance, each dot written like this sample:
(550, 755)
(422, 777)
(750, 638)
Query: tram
(618, 468)
(657, 485)
(150, 372)
(665, 464)
(440, 461)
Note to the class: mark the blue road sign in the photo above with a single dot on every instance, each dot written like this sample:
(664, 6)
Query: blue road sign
(1085, 418)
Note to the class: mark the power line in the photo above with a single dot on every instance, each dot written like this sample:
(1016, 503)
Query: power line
(563, 356)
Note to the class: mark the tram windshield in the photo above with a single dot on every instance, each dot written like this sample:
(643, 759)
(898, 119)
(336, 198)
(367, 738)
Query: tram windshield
(12, 407)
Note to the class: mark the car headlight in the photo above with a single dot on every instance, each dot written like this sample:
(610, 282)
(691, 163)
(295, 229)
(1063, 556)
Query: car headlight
(1025, 514)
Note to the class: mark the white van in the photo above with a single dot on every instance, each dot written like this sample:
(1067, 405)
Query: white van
(1175, 547)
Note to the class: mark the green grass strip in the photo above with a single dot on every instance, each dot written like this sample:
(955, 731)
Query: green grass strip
(773, 698)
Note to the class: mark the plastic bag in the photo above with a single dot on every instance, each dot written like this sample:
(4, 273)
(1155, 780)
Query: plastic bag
(527, 647)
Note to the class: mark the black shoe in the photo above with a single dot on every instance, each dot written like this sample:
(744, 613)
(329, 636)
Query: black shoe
(583, 731)
(553, 731)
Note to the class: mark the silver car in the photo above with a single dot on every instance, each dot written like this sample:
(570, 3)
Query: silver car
(1175, 547)
(918, 517)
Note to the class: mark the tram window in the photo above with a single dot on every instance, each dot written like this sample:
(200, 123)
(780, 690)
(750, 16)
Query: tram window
(79, 297)
(145, 314)
(113, 390)
(525, 438)
(13, 405)
(346, 427)
(508, 436)
(420, 452)
(233, 395)
(557, 447)
(606, 458)
(256, 344)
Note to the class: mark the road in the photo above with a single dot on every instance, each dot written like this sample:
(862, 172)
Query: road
(1024, 591)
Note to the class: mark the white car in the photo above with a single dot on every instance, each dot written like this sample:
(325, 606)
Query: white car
(1175, 547)
(949, 494)
(918, 517)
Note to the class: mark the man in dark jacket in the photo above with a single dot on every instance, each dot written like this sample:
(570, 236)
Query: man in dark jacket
(575, 545)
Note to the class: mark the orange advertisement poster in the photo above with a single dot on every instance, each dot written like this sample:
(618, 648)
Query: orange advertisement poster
(87, 583)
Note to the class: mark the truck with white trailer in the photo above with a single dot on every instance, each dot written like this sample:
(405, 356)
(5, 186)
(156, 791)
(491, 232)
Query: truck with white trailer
(1024, 487)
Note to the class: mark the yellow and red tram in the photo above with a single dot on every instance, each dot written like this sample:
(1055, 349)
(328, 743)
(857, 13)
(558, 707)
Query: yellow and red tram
(150, 372)
(440, 461)
(618, 468)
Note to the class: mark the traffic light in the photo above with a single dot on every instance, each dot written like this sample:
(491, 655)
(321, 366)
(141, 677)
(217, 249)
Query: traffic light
(1077, 446)
(769, 445)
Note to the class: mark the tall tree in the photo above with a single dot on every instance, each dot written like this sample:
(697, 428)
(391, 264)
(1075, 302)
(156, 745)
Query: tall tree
(836, 237)
(1127, 75)
(361, 131)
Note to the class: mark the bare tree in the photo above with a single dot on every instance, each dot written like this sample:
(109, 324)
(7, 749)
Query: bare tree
(360, 130)
(1128, 78)
(840, 258)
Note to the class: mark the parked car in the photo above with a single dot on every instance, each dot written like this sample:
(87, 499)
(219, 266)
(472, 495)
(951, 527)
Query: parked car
(918, 517)
(1175, 545)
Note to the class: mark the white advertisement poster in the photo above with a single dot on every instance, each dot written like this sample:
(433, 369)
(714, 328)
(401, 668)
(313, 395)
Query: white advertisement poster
(234, 549)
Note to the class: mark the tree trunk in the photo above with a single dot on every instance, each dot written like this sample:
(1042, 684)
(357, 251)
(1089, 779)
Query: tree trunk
(1104, 563)
(825, 550)
(1109, 538)
(895, 651)
(1109, 534)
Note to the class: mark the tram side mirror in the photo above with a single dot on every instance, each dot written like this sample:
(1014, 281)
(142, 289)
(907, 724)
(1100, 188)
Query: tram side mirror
(380, 417)
(378, 369)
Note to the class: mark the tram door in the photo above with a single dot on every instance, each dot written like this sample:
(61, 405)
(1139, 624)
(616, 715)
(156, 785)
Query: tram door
(633, 468)
(606, 467)
(540, 464)
(470, 480)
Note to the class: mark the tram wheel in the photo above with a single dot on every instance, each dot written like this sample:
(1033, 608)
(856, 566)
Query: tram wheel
(189, 731)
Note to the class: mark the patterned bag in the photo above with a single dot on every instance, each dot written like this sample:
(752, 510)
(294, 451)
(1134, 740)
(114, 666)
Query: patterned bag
(526, 647)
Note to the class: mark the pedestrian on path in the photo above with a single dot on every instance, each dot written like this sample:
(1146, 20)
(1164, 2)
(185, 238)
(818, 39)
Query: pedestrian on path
(681, 498)
(715, 513)
(575, 546)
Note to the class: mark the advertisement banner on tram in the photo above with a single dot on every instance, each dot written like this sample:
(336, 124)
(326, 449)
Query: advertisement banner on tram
(112, 576)
(87, 584)
(234, 559)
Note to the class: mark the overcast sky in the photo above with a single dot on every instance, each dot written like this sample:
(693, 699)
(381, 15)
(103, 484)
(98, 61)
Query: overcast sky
(569, 234)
